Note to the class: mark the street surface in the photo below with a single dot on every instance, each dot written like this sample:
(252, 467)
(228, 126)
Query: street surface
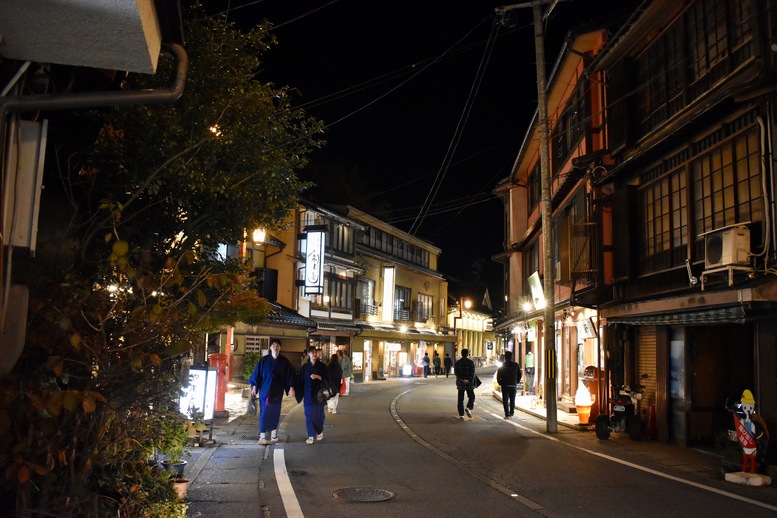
(400, 440)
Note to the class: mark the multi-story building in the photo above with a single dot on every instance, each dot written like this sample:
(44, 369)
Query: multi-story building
(679, 195)
(690, 111)
(473, 325)
(401, 301)
(577, 139)
(379, 296)
(274, 258)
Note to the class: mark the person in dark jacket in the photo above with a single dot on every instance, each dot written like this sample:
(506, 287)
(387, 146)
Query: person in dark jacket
(336, 379)
(425, 362)
(448, 363)
(465, 382)
(508, 376)
(436, 363)
(273, 376)
(311, 377)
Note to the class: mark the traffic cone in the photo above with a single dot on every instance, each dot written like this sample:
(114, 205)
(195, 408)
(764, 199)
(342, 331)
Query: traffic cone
(651, 427)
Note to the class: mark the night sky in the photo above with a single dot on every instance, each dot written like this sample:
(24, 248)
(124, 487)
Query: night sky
(426, 103)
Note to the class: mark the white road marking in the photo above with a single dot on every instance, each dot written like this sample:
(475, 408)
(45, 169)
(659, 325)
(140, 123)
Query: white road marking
(289, 497)
(648, 470)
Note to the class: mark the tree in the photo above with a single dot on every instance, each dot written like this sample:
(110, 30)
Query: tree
(109, 326)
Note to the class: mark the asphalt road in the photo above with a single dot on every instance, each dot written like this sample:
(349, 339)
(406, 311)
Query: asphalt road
(399, 445)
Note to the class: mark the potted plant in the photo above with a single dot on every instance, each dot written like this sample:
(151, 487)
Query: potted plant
(173, 443)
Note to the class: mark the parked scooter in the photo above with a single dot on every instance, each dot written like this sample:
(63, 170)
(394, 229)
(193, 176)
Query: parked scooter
(625, 414)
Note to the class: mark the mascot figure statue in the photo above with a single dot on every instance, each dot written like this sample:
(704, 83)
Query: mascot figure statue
(753, 437)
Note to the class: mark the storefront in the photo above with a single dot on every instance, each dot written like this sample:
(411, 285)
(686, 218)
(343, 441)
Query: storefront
(389, 351)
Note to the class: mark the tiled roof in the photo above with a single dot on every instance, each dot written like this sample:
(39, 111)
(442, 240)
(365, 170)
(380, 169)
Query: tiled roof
(423, 334)
(338, 325)
(281, 315)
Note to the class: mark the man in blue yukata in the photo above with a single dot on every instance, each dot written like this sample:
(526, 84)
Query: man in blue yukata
(274, 376)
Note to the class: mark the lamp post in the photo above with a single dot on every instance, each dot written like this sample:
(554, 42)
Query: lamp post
(545, 204)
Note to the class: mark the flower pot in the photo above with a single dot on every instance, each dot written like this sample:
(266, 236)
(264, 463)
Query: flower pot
(181, 486)
(174, 467)
(584, 413)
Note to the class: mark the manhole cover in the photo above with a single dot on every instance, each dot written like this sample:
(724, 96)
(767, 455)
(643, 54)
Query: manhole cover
(363, 494)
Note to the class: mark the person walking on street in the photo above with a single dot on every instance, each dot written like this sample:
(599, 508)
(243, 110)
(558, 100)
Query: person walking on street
(465, 382)
(273, 376)
(311, 378)
(508, 376)
(425, 363)
(336, 379)
(345, 363)
(448, 364)
(436, 363)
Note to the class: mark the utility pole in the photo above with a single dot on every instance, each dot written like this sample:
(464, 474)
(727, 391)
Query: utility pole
(549, 330)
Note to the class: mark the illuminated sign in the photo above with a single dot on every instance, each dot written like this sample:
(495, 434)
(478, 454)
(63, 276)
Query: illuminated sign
(200, 394)
(389, 275)
(536, 291)
(314, 262)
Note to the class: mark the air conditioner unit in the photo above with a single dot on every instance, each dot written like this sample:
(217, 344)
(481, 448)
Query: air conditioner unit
(726, 247)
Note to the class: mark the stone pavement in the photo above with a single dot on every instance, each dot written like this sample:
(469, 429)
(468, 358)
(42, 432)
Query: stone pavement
(224, 476)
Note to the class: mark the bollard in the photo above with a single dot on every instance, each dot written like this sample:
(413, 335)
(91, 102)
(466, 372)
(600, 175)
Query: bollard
(219, 361)
(651, 427)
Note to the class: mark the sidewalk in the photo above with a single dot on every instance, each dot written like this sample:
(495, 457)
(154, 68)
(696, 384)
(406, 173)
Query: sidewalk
(535, 406)
(707, 465)
(224, 475)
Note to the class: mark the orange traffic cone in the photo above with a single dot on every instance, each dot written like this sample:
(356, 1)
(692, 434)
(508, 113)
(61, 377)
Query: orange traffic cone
(651, 427)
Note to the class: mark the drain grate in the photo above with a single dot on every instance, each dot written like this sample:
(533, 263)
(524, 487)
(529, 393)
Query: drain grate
(363, 494)
(250, 438)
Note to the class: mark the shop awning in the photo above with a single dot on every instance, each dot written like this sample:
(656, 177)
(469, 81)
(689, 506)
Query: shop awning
(728, 315)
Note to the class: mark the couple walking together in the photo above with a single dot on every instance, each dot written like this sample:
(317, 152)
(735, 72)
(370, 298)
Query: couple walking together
(274, 376)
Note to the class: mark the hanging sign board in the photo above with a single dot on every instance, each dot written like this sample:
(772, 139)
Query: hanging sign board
(314, 262)
(537, 294)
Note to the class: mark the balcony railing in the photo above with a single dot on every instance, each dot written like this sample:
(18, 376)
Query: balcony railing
(401, 315)
(368, 310)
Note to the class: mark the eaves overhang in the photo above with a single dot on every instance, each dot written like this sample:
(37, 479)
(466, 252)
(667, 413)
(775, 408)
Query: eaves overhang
(105, 34)
(345, 264)
(726, 306)
(399, 262)
(333, 215)
(394, 331)
(280, 315)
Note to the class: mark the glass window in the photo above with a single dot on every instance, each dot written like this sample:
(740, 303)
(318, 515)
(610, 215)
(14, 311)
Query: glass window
(402, 303)
(338, 293)
(425, 307)
(718, 187)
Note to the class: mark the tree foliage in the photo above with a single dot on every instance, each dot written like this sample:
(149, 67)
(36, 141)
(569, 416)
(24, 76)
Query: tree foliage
(111, 325)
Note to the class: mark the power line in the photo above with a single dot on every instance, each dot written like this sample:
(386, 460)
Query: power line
(457, 133)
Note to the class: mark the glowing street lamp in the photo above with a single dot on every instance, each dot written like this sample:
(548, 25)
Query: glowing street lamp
(259, 235)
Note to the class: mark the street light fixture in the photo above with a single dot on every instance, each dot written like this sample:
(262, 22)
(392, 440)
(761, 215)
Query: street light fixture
(259, 235)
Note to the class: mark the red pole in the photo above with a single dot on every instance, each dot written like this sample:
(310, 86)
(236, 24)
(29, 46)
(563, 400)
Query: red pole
(219, 361)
